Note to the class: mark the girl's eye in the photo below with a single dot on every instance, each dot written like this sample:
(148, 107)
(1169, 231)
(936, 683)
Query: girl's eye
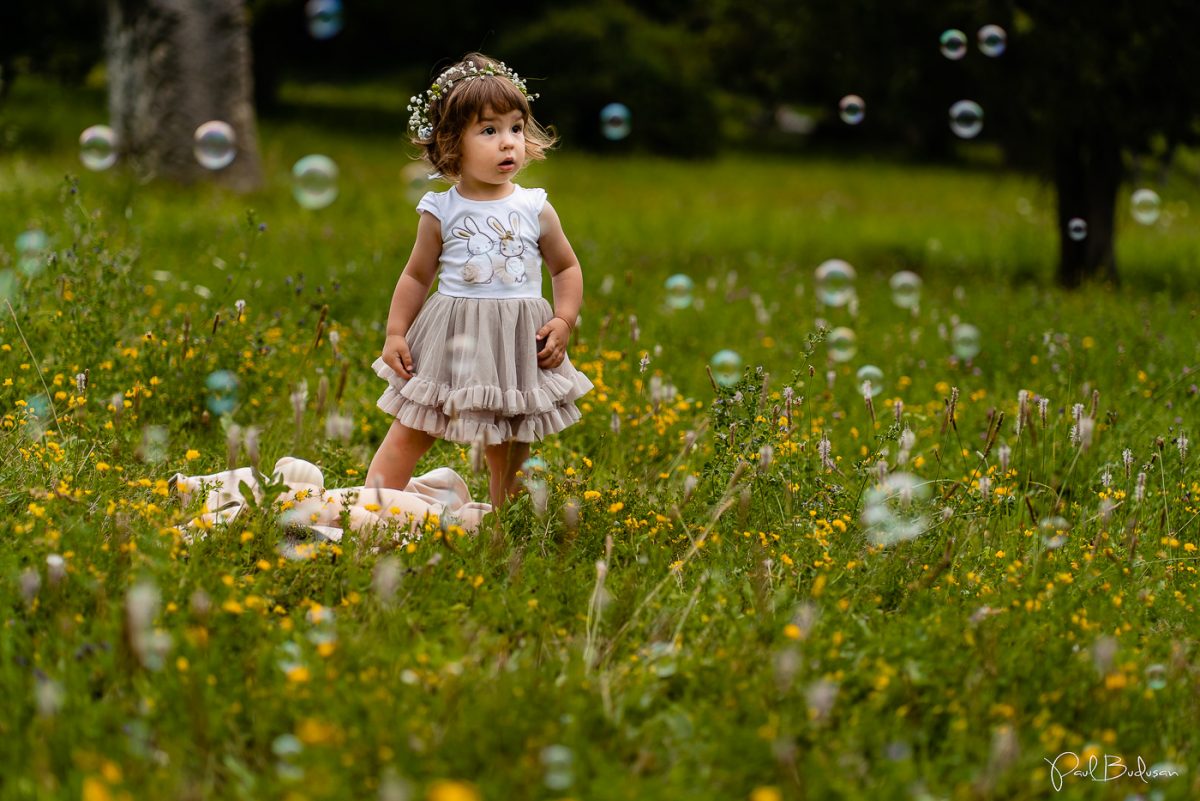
(518, 129)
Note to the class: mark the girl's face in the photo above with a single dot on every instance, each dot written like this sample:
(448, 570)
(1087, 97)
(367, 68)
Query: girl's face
(493, 148)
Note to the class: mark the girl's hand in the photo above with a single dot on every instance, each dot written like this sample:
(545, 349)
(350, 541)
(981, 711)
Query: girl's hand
(397, 356)
(557, 334)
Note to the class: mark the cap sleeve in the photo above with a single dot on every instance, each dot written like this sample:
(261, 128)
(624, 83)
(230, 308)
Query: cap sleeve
(429, 203)
(537, 199)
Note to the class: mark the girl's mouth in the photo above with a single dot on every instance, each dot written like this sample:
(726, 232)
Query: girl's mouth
(507, 164)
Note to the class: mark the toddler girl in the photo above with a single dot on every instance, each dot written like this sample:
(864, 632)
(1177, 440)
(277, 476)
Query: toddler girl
(484, 359)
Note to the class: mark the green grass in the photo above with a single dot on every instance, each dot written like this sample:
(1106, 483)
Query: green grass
(747, 641)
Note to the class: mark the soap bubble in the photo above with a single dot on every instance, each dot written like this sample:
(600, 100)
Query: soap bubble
(222, 391)
(679, 291)
(842, 343)
(215, 145)
(871, 374)
(324, 18)
(417, 182)
(1156, 677)
(556, 759)
(1053, 531)
(852, 109)
(31, 247)
(314, 181)
(891, 509)
(953, 44)
(98, 148)
(726, 367)
(1145, 205)
(153, 447)
(966, 119)
(1077, 229)
(835, 282)
(615, 121)
(906, 289)
(992, 40)
(965, 339)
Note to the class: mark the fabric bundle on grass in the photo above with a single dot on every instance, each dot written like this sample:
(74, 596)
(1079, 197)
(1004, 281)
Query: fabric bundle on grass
(312, 511)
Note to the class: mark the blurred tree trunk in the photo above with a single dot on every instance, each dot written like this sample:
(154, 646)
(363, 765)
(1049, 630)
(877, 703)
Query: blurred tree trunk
(1087, 176)
(172, 66)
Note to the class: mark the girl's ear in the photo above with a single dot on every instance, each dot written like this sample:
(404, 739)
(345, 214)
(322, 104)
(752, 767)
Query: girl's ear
(497, 226)
(514, 222)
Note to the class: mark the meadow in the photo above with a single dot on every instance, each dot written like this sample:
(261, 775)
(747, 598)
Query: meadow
(765, 589)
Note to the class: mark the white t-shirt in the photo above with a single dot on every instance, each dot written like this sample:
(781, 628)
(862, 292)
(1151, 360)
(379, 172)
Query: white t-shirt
(489, 247)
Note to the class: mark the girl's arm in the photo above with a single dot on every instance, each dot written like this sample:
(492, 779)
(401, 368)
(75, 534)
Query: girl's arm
(564, 269)
(410, 294)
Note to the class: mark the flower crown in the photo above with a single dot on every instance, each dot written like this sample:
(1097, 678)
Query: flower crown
(419, 105)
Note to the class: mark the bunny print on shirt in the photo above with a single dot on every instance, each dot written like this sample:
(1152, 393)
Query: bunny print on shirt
(511, 248)
(480, 267)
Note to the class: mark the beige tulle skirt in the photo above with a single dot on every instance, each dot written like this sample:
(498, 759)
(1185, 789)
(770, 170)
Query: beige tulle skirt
(476, 376)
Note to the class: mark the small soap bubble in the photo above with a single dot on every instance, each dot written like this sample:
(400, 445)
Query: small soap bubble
(906, 289)
(852, 109)
(98, 148)
(726, 367)
(842, 343)
(1145, 206)
(31, 250)
(222, 388)
(992, 40)
(416, 180)
(966, 119)
(314, 181)
(324, 18)
(1156, 677)
(869, 373)
(615, 121)
(835, 282)
(892, 509)
(1053, 531)
(965, 340)
(953, 44)
(557, 759)
(215, 145)
(1077, 229)
(154, 444)
(679, 291)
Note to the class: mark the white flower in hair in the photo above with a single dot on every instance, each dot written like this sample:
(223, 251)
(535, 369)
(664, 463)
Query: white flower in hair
(419, 105)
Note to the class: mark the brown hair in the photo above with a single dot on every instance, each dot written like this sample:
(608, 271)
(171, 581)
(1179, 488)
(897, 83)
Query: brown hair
(453, 111)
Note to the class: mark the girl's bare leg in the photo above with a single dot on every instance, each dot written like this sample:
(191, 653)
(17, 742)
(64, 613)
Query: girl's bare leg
(504, 460)
(393, 464)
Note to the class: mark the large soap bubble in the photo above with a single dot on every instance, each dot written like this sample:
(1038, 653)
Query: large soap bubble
(953, 44)
(726, 367)
(222, 388)
(679, 291)
(615, 121)
(1145, 206)
(835, 282)
(870, 380)
(966, 119)
(98, 148)
(852, 109)
(215, 145)
(966, 341)
(324, 18)
(842, 344)
(992, 40)
(314, 181)
(892, 509)
(906, 289)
